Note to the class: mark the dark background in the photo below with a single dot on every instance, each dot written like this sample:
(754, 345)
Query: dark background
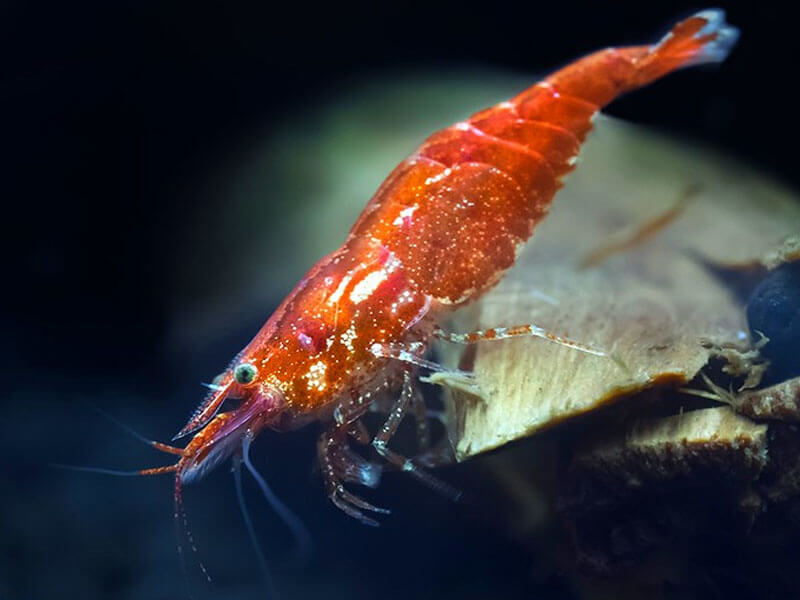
(110, 115)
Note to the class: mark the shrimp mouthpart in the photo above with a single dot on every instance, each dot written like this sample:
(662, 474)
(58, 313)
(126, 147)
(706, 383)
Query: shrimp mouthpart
(223, 435)
(218, 440)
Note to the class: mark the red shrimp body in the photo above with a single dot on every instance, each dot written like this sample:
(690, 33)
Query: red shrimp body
(441, 230)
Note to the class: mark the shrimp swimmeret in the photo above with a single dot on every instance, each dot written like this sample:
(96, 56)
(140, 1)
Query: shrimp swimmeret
(441, 230)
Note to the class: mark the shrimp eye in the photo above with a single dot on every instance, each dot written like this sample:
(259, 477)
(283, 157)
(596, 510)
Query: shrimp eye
(245, 373)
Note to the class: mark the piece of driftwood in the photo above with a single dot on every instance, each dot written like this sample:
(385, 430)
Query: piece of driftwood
(657, 497)
(678, 475)
(621, 485)
(659, 306)
(662, 448)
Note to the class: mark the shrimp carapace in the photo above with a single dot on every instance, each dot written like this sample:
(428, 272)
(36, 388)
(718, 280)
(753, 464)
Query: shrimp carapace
(440, 231)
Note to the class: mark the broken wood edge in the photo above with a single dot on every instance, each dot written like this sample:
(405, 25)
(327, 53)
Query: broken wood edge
(458, 393)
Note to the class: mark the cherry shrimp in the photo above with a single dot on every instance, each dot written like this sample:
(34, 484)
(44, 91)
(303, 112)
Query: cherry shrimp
(440, 231)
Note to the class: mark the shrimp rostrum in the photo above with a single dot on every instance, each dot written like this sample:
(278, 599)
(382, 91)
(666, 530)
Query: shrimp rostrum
(441, 230)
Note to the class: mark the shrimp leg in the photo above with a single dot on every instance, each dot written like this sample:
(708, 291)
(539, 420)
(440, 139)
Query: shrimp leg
(384, 406)
(504, 333)
(358, 431)
(411, 357)
(380, 442)
(340, 464)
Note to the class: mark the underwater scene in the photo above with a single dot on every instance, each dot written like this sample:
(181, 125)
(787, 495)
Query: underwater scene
(469, 302)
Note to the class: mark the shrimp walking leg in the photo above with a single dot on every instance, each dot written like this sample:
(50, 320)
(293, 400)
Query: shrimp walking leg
(352, 468)
(384, 405)
(358, 431)
(381, 440)
(504, 333)
(414, 358)
(340, 464)
(331, 448)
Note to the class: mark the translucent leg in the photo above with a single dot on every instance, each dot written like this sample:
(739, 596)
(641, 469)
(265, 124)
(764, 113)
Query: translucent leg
(338, 463)
(504, 333)
(351, 504)
(381, 440)
(353, 468)
(349, 466)
(413, 356)
(358, 431)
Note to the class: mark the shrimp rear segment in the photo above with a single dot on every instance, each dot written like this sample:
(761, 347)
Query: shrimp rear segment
(457, 211)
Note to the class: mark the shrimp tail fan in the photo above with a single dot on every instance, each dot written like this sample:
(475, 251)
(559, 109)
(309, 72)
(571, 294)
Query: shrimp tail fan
(703, 38)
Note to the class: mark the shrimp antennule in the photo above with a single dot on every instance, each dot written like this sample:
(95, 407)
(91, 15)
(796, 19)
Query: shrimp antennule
(251, 532)
(208, 409)
(302, 538)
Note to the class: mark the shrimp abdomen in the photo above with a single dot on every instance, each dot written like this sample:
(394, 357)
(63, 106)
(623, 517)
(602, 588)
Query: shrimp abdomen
(457, 211)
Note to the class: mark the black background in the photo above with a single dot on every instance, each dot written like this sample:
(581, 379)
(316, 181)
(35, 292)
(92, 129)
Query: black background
(109, 115)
